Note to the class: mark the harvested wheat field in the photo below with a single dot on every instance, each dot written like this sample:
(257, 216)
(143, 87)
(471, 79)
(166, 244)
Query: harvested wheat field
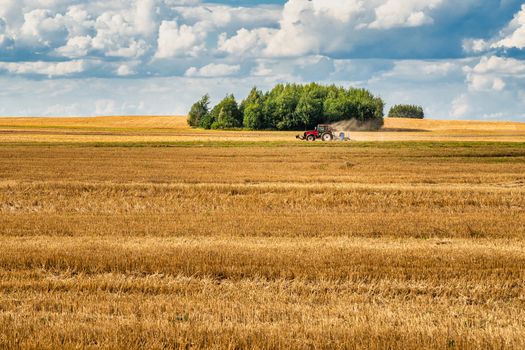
(175, 129)
(144, 235)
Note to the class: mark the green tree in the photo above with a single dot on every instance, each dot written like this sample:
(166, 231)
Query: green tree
(369, 109)
(253, 110)
(207, 121)
(309, 110)
(295, 106)
(406, 111)
(270, 106)
(198, 111)
(226, 114)
(285, 106)
(338, 105)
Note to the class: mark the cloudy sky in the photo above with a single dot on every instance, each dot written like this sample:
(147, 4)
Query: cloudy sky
(459, 59)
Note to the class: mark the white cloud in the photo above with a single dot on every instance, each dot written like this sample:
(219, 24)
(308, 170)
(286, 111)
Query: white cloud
(50, 69)
(43, 28)
(514, 34)
(228, 17)
(11, 12)
(404, 13)
(5, 39)
(213, 70)
(145, 17)
(312, 27)
(419, 70)
(125, 70)
(76, 47)
(491, 73)
(105, 107)
(475, 45)
(179, 41)
(305, 27)
(116, 36)
(78, 21)
(245, 41)
(500, 65)
(460, 107)
(485, 83)
(299, 69)
(328, 26)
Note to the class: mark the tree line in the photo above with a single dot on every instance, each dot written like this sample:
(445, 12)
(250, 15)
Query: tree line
(406, 111)
(290, 107)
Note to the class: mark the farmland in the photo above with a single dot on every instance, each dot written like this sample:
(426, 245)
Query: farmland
(143, 233)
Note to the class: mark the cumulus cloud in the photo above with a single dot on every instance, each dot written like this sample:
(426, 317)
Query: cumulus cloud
(6, 41)
(312, 27)
(475, 46)
(329, 27)
(510, 37)
(145, 17)
(125, 70)
(430, 70)
(43, 28)
(77, 46)
(223, 17)
(213, 70)
(179, 41)
(245, 41)
(514, 34)
(405, 50)
(307, 68)
(49, 69)
(492, 73)
(460, 107)
(105, 107)
(404, 13)
(116, 36)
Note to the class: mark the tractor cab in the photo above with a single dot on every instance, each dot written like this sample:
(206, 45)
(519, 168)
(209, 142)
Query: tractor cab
(322, 128)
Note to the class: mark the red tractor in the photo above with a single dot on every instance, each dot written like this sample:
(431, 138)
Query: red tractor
(322, 131)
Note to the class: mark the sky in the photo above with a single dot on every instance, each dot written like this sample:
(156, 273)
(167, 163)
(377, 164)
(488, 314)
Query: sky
(458, 59)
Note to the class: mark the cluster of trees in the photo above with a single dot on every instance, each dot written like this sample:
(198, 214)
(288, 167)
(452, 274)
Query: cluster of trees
(290, 107)
(406, 111)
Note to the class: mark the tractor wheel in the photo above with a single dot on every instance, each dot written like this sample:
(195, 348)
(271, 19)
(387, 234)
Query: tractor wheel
(327, 137)
(310, 138)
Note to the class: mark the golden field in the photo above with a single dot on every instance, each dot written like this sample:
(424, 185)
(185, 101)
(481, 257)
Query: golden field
(174, 129)
(141, 233)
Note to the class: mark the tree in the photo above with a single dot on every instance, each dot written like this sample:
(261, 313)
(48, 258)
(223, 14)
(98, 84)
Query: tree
(309, 110)
(285, 105)
(207, 121)
(270, 106)
(253, 110)
(293, 107)
(226, 114)
(339, 106)
(198, 111)
(406, 111)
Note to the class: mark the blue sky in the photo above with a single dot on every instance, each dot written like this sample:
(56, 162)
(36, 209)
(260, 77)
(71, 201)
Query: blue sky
(460, 60)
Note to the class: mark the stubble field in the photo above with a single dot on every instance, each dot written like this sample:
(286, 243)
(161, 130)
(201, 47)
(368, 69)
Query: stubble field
(122, 235)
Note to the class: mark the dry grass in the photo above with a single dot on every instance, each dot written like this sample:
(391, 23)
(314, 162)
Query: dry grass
(173, 122)
(261, 245)
(175, 129)
(451, 125)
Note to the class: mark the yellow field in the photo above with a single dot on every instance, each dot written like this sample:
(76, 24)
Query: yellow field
(175, 129)
(256, 241)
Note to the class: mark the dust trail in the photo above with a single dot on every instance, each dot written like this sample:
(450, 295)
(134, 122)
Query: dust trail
(355, 125)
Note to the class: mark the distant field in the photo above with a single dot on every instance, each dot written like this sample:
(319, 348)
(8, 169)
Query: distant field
(175, 129)
(140, 233)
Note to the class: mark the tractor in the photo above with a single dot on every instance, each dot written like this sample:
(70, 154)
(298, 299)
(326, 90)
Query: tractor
(322, 131)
